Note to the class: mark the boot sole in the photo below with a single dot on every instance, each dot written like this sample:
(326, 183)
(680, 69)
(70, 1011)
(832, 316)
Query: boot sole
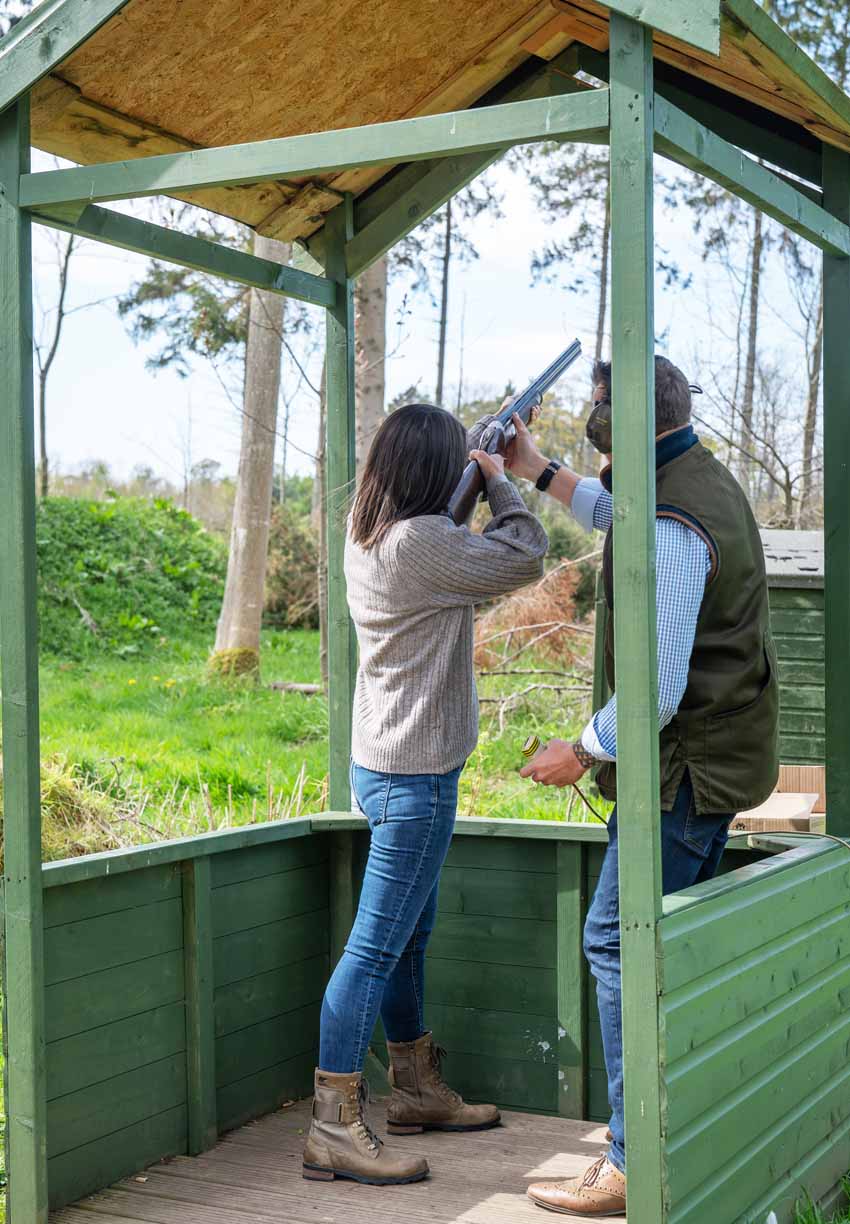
(316, 1173)
(398, 1128)
(583, 1215)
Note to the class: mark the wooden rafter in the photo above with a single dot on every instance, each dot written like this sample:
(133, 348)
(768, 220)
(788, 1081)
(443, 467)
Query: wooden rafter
(572, 115)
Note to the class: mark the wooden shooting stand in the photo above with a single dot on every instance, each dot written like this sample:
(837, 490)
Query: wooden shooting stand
(159, 997)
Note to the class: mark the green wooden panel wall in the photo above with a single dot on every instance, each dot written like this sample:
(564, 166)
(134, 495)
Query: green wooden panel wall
(797, 618)
(491, 984)
(180, 1003)
(116, 1028)
(756, 1078)
(271, 935)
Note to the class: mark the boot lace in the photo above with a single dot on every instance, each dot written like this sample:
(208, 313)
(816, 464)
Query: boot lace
(361, 1126)
(593, 1174)
(448, 1094)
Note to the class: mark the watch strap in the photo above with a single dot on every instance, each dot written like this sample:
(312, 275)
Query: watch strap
(585, 758)
(547, 475)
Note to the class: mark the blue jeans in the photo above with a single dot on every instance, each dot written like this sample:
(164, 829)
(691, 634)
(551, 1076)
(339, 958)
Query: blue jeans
(691, 849)
(411, 819)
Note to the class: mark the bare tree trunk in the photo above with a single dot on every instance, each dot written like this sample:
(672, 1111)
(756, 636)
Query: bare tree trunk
(748, 397)
(45, 365)
(602, 309)
(810, 426)
(237, 642)
(370, 351)
(320, 492)
(444, 304)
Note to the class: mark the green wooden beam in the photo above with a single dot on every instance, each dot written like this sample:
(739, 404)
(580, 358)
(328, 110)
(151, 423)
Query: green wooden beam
(131, 234)
(395, 208)
(740, 16)
(496, 127)
(533, 78)
(200, 1005)
(633, 398)
(745, 125)
(687, 142)
(693, 21)
(571, 884)
(47, 36)
(836, 499)
(23, 969)
(339, 483)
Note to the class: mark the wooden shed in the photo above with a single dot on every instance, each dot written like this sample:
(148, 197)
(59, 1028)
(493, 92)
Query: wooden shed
(794, 562)
(160, 997)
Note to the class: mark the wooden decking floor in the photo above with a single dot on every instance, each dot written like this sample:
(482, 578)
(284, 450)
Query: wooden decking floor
(253, 1176)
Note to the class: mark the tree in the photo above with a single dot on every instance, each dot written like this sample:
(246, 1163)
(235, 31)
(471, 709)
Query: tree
(46, 350)
(237, 639)
(370, 349)
(427, 254)
(200, 317)
(570, 185)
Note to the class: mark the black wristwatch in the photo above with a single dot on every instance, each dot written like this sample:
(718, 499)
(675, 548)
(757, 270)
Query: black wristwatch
(547, 475)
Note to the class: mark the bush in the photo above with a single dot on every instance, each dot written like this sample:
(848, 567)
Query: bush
(119, 575)
(567, 541)
(292, 585)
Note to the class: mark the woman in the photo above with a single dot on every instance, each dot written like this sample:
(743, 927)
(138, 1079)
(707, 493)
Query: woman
(413, 579)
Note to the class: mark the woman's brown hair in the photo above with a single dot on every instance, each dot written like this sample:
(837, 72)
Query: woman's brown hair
(414, 464)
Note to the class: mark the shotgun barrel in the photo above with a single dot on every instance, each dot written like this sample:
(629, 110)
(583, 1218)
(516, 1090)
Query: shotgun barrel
(501, 430)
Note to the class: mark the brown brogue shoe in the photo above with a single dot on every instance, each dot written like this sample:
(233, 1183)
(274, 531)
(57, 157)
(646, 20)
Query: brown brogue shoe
(341, 1142)
(600, 1192)
(422, 1100)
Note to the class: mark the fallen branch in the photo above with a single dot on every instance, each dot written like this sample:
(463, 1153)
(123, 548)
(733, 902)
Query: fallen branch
(309, 690)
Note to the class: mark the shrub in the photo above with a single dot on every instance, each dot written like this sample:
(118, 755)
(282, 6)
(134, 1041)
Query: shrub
(292, 587)
(121, 574)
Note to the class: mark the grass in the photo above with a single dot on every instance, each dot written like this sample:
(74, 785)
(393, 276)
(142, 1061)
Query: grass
(811, 1214)
(171, 751)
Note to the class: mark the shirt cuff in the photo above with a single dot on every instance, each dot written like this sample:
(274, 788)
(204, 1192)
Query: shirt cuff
(585, 496)
(590, 743)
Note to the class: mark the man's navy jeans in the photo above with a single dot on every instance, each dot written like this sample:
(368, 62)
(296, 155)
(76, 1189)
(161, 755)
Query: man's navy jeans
(691, 848)
(411, 818)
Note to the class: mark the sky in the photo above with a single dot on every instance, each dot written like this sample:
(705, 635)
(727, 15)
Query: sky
(104, 404)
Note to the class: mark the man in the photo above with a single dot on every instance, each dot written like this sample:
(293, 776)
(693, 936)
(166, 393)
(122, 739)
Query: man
(717, 698)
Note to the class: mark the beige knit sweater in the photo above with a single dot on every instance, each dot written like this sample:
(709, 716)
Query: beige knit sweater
(412, 599)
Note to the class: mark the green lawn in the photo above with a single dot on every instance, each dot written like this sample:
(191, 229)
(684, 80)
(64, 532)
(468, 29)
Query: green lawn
(179, 752)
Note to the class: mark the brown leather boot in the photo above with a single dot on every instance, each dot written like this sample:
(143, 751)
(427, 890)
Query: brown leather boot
(422, 1100)
(600, 1192)
(342, 1144)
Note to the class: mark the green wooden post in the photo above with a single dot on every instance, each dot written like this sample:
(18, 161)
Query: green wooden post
(23, 970)
(339, 478)
(836, 500)
(633, 397)
(571, 876)
(200, 1004)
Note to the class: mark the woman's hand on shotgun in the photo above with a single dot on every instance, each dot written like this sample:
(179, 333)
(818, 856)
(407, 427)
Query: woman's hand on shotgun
(492, 466)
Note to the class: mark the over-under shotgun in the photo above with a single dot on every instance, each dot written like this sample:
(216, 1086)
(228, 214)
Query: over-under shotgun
(501, 430)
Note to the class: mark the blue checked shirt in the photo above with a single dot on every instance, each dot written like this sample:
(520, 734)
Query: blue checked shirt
(682, 563)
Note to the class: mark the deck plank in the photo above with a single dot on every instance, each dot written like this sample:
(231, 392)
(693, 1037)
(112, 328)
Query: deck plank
(253, 1176)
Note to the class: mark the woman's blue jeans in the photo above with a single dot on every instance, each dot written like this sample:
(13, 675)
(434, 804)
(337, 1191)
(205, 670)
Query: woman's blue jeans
(691, 849)
(411, 818)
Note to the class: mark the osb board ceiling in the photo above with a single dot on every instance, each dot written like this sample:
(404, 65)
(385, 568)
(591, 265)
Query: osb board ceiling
(168, 75)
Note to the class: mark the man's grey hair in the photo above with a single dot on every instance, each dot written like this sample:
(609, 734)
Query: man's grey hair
(672, 392)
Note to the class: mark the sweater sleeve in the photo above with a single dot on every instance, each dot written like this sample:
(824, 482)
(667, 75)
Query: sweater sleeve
(454, 566)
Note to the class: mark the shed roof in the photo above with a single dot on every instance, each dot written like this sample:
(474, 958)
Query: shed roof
(161, 77)
(793, 558)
